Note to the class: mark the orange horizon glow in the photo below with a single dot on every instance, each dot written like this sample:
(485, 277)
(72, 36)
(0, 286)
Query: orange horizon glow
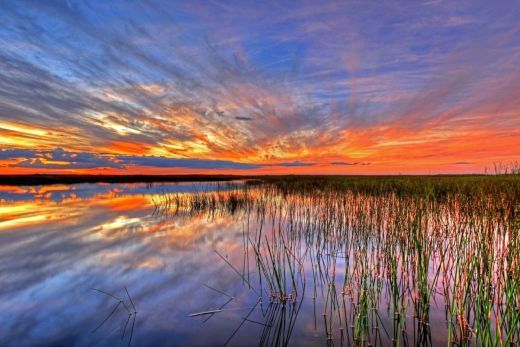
(375, 150)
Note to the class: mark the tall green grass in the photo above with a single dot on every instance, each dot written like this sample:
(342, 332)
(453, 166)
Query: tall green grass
(383, 253)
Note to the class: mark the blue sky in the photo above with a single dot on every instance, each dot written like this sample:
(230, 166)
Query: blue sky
(262, 83)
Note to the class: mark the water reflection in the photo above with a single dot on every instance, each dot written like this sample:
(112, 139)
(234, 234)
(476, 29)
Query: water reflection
(63, 193)
(52, 254)
(341, 271)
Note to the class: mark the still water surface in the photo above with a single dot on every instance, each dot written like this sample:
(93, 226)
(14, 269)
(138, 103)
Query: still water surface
(77, 262)
(59, 242)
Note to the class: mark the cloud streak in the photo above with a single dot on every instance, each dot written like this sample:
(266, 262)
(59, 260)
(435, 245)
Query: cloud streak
(270, 84)
(345, 163)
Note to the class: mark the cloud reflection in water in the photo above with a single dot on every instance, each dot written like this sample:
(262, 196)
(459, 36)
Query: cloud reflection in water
(52, 252)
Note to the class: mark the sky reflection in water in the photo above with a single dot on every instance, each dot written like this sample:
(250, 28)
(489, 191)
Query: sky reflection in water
(59, 242)
(54, 249)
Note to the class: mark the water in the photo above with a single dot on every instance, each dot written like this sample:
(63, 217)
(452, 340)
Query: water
(67, 251)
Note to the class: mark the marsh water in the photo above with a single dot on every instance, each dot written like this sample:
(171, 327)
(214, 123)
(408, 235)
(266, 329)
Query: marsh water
(163, 264)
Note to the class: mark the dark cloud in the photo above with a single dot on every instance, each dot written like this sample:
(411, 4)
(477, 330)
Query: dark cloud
(185, 163)
(59, 158)
(17, 153)
(294, 164)
(464, 162)
(346, 163)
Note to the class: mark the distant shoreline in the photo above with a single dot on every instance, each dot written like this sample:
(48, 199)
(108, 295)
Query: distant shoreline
(47, 179)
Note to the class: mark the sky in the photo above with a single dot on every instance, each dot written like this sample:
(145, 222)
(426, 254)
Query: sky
(259, 87)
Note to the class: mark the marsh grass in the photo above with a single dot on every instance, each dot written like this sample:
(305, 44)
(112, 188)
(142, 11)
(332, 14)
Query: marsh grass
(379, 253)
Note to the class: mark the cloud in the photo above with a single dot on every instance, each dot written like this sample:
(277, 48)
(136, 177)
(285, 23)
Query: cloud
(16, 153)
(61, 159)
(292, 164)
(463, 163)
(270, 81)
(346, 163)
(185, 163)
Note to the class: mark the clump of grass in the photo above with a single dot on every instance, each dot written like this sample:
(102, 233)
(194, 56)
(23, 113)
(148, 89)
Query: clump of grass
(404, 244)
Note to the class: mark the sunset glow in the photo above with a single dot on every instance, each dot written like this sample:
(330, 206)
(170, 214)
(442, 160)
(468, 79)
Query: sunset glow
(197, 87)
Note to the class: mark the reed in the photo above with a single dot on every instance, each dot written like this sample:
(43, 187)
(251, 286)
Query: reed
(383, 249)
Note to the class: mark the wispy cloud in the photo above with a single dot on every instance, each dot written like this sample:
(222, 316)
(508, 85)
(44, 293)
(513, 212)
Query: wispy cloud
(186, 83)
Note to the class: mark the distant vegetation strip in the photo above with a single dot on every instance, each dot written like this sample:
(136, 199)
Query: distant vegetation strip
(433, 185)
(437, 186)
(74, 179)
